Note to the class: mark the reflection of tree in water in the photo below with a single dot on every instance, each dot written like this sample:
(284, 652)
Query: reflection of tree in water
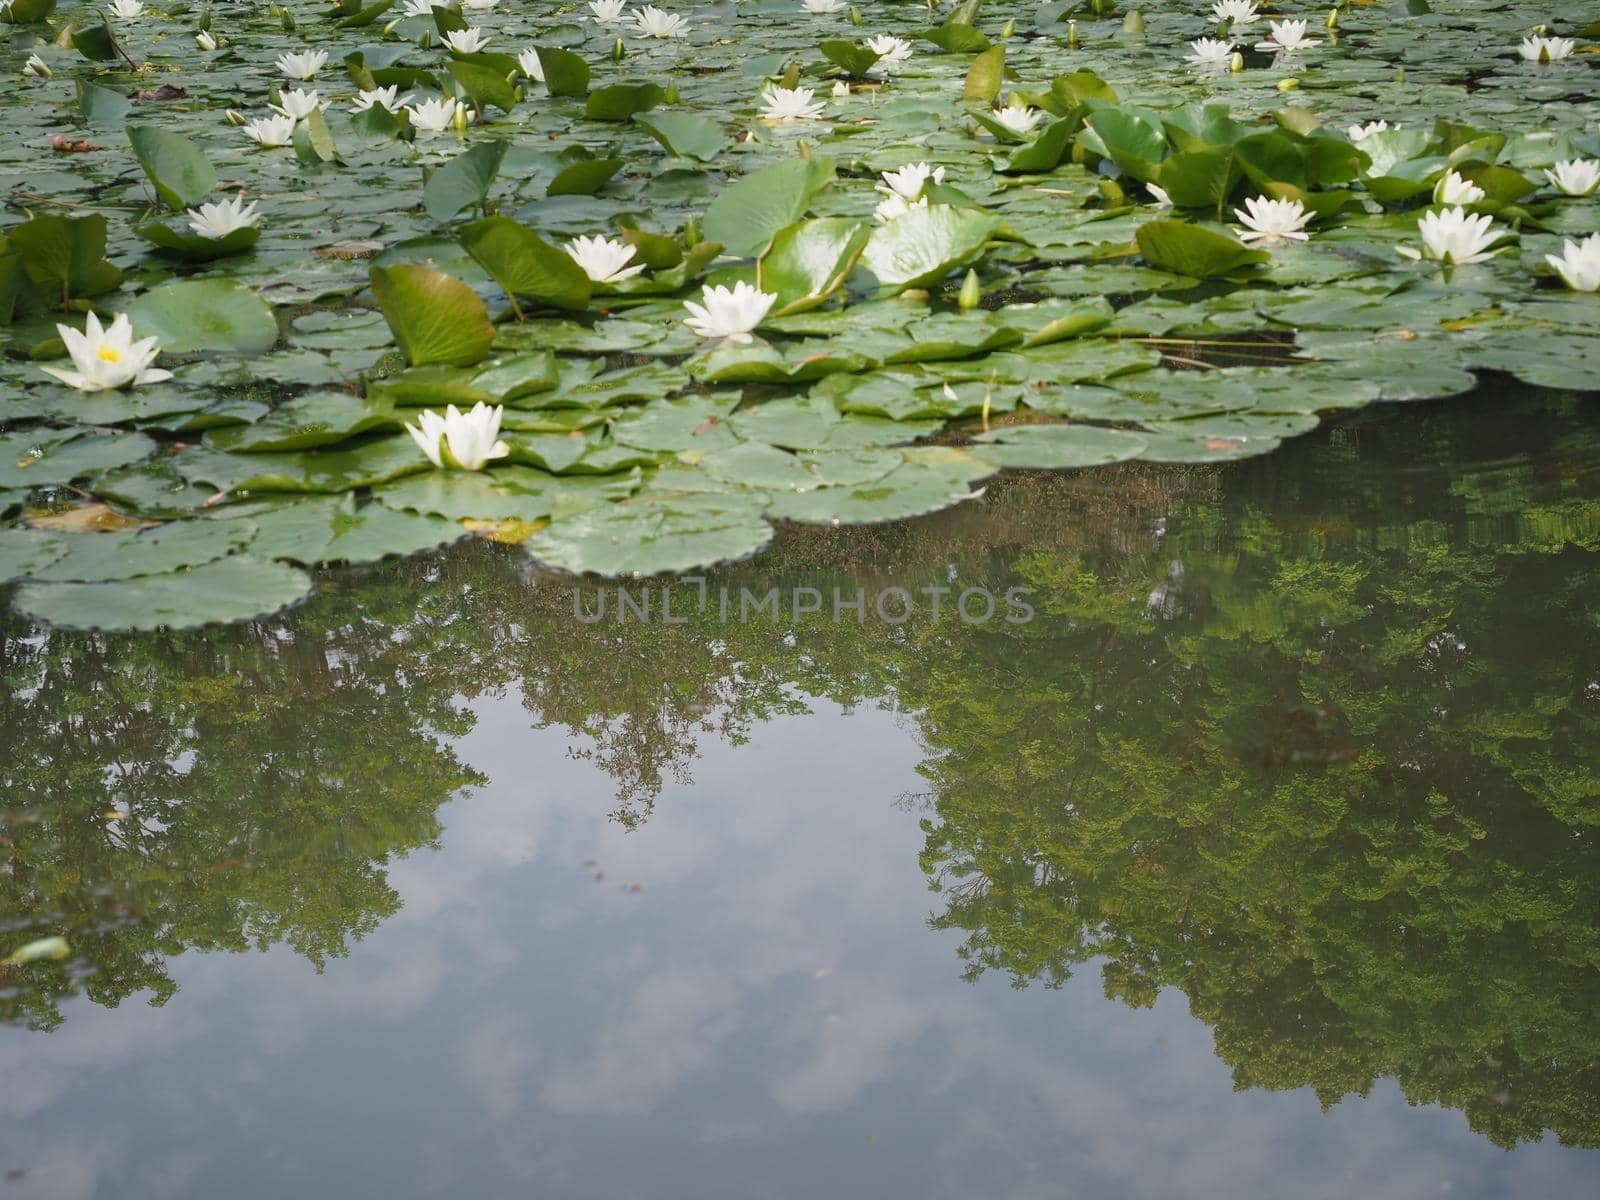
(220, 790)
(1333, 779)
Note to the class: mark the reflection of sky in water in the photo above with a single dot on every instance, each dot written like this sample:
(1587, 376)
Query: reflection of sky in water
(768, 1015)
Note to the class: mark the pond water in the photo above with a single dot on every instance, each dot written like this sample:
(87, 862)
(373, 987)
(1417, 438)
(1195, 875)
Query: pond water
(1247, 849)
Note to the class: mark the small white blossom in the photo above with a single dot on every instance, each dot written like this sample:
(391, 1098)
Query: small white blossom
(297, 103)
(435, 116)
(604, 260)
(1162, 200)
(1452, 189)
(271, 131)
(1287, 37)
(217, 221)
(464, 440)
(107, 358)
(841, 90)
(1453, 237)
(1545, 49)
(895, 205)
(893, 53)
(651, 21)
(607, 12)
(821, 8)
(467, 41)
(1575, 176)
(1017, 116)
(302, 66)
(1578, 264)
(1235, 12)
(126, 10)
(781, 104)
(36, 66)
(729, 312)
(1356, 132)
(532, 65)
(1272, 222)
(909, 181)
(386, 98)
(206, 40)
(1211, 54)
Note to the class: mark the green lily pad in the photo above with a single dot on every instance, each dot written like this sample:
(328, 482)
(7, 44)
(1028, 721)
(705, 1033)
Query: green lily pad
(236, 588)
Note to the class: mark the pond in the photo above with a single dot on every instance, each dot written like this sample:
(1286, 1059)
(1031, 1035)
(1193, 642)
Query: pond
(1246, 849)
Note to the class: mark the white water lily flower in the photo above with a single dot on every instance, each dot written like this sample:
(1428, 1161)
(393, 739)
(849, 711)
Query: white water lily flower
(1212, 54)
(821, 8)
(386, 98)
(126, 10)
(1452, 189)
(1453, 237)
(272, 131)
(457, 439)
(467, 41)
(532, 65)
(729, 312)
(297, 103)
(781, 104)
(435, 116)
(1575, 176)
(217, 221)
(1235, 12)
(206, 40)
(302, 66)
(895, 205)
(1545, 49)
(1578, 263)
(893, 53)
(841, 90)
(1017, 116)
(1162, 200)
(107, 358)
(36, 66)
(1287, 37)
(909, 181)
(478, 5)
(604, 260)
(417, 8)
(1356, 132)
(1272, 222)
(651, 21)
(607, 12)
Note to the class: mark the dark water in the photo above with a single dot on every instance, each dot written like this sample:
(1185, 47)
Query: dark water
(1255, 855)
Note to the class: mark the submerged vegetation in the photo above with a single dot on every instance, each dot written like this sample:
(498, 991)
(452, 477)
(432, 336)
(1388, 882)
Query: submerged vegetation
(672, 274)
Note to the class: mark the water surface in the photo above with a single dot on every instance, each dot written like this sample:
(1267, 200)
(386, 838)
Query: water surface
(1254, 856)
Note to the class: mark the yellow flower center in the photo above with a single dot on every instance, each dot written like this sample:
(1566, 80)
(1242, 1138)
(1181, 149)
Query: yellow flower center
(109, 354)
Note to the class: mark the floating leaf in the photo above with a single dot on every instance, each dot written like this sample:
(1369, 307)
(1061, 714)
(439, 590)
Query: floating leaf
(464, 181)
(923, 245)
(230, 589)
(435, 317)
(524, 264)
(651, 535)
(806, 263)
(1192, 250)
(199, 315)
(685, 134)
(749, 211)
(176, 166)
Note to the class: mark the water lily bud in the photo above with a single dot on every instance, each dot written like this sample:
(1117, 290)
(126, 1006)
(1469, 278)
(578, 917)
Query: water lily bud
(461, 117)
(1333, 18)
(671, 95)
(691, 234)
(841, 90)
(36, 66)
(1072, 35)
(971, 293)
(855, 15)
(1288, 85)
(1008, 29)
(234, 117)
(1399, 74)
(1133, 22)
(206, 40)
(1236, 63)
(618, 50)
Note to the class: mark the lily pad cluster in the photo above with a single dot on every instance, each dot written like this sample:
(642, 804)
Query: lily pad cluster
(921, 247)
